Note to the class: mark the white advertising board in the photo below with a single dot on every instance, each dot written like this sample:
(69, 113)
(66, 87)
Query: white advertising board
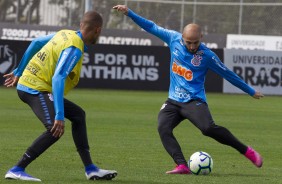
(254, 42)
(260, 69)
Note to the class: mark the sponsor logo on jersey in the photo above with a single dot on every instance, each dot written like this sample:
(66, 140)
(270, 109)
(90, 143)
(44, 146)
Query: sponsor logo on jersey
(32, 68)
(29, 80)
(41, 56)
(184, 72)
(181, 93)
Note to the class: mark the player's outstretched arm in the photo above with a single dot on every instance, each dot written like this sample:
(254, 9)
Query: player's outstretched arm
(145, 24)
(10, 80)
(121, 8)
(258, 95)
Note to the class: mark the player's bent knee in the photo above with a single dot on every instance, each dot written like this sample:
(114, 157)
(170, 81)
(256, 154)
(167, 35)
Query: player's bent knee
(79, 117)
(81, 114)
(208, 131)
(164, 131)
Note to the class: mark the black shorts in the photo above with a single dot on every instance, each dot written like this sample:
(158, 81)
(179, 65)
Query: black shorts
(173, 112)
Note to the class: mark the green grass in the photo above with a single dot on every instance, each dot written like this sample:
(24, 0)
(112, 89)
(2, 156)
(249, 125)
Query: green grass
(122, 131)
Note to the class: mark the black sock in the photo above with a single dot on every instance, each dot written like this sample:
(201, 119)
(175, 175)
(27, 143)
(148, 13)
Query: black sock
(26, 159)
(42, 143)
(85, 157)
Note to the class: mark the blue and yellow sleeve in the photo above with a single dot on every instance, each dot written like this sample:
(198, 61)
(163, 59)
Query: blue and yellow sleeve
(32, 49)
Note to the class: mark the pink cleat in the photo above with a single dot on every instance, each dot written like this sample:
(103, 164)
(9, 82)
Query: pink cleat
(180, 169)
(254, 156)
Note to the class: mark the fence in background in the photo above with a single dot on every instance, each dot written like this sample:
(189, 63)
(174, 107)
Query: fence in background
(258, 17)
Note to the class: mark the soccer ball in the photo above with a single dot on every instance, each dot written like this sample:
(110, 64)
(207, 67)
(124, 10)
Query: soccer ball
(200, 163)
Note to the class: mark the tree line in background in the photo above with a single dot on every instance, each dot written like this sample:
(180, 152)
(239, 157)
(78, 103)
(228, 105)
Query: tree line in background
(219, 19)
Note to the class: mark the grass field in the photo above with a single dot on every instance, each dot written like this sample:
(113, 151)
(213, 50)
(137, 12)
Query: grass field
(122, 131)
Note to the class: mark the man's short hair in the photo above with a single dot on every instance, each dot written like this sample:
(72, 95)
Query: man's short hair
(92, 18)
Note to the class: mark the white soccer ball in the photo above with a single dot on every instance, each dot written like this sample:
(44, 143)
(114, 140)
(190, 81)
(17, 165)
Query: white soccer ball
(200, 163)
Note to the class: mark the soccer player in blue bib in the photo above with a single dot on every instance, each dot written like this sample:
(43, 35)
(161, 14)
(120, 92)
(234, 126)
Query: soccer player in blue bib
(50, 68)
(189, 62)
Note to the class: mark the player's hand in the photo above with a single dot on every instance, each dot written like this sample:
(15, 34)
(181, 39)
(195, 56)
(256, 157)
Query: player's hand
(121, 8)
(10, 80)
(58, 128)
(258, 95)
